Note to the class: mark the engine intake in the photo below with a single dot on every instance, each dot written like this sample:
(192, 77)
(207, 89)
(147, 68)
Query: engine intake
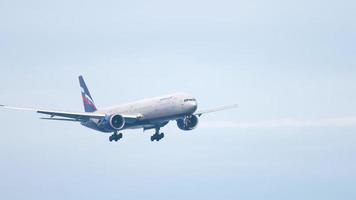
(112, 122)
(188, 123)
(117, 122)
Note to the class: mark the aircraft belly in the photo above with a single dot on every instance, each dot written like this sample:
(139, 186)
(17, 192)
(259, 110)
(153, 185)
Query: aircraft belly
(152, 122)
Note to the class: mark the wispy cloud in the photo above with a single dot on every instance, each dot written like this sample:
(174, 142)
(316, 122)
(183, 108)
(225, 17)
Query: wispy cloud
(283, 123)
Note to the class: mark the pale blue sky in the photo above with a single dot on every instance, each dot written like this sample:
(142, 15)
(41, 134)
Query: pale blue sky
(290, 65)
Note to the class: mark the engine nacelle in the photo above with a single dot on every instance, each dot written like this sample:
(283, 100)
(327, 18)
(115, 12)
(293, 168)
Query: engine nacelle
(112, 122)
(188, 123)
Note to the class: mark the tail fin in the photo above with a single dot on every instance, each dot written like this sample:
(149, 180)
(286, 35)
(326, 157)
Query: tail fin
(88, 102)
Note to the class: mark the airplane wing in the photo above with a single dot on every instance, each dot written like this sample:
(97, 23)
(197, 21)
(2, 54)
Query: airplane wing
(69, 116)
(201, 112)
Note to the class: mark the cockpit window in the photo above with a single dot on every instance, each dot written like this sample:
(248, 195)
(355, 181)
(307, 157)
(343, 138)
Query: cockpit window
(188, 100)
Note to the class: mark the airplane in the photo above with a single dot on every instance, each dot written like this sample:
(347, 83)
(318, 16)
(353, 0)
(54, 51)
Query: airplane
(146, 114)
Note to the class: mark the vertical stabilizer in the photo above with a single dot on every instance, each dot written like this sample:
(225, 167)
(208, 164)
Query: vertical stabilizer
(88, 101)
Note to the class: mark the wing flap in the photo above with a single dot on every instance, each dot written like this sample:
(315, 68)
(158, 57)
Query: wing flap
(60, 119)
(72, 116)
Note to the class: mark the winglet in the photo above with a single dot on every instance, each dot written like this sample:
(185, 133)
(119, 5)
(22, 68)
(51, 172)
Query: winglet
(88, 101)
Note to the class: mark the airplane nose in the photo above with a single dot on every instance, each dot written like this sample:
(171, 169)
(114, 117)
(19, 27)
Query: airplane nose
(193, 106)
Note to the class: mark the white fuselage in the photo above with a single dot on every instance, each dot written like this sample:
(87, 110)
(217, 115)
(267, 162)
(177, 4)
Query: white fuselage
(155, 111)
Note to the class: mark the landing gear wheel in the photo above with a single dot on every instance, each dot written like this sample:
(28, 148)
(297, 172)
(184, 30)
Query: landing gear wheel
(157, 136)
(118, 137)
(160, 136)
(115, 137)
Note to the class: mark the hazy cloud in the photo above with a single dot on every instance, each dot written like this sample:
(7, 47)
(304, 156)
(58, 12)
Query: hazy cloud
(284, 123)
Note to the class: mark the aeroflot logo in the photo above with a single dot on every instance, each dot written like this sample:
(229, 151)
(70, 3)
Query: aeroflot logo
(87, 99)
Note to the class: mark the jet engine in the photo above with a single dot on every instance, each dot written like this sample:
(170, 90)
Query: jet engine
(188, 122)
(112, 122)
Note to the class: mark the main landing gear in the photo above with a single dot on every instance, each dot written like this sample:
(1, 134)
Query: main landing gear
(157, 136)
(115, 137)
